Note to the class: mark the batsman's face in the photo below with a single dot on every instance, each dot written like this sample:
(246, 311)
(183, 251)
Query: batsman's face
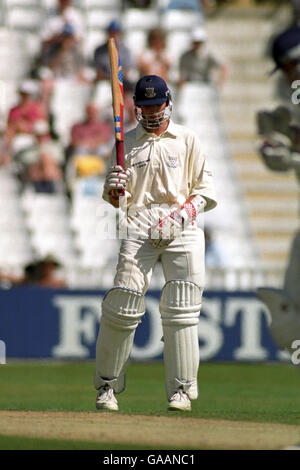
(153, 109)
(152, 117)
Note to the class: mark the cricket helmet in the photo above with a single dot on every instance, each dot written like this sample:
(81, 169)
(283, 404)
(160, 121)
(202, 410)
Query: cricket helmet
(152, 90)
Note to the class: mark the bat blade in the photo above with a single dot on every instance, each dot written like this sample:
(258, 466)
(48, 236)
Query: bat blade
(117, 99)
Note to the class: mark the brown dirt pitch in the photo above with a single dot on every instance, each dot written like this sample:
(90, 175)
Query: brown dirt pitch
(155, 431)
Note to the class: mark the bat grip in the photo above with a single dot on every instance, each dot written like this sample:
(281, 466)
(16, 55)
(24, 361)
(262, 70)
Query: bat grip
(120, 153)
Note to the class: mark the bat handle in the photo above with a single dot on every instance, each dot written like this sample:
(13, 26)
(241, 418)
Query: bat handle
(120, 153)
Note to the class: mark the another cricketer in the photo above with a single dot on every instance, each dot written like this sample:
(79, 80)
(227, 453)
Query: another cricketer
(280, 151)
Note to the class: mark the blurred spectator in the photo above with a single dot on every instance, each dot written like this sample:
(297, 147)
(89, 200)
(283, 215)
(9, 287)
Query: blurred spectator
(93, 135)
(199, 64)
(66, 60)
(65, 16)
(279, 130)
(21, 118)
(155, 59)
(62, 34)
(43, 161)
(43, 273)
(101, 56)
(91, 143)
(19, 132)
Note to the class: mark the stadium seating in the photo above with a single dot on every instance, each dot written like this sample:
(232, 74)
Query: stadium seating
(198, 106)
(68, 105)
(15, 248)
(24, 19)
(99, 19)
(92, 39)
(49, 5)
(135, 39)
(178, 20)
(22, 3)
(177, 42)
(48, 223)
(139, 19)
(93, 223)
(15, 60)
(226, 128)
(102, 96)
(101, 4)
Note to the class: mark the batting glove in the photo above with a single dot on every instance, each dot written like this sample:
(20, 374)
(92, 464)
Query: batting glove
(172, 225)
(166, 230)
(115, 184)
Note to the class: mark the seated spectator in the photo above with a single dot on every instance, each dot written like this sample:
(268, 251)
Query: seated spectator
(91, 143)
(61, 54)
(43, 161)
(21, 118)
(65, 16)
(155, 59)
(199, 64)
(101, 56)
(66, 60)
(19, 132)
(93, 135)
(43, 273)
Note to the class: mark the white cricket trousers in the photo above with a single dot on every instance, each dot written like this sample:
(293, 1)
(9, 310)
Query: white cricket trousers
(182, 259)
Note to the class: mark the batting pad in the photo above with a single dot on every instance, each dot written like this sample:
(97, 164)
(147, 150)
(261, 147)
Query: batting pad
(285, 317)
(180, 305)
(122, 310)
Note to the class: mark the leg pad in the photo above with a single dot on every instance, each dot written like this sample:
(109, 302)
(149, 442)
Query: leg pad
(180, 306)
(122, 310)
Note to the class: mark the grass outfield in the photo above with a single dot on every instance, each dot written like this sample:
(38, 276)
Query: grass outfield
(229, 394)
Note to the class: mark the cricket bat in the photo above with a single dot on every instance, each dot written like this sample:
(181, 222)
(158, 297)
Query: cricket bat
(117, 99)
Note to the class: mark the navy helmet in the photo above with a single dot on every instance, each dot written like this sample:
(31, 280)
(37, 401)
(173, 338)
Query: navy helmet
(114, 26)
(151, 90)
(286, 47)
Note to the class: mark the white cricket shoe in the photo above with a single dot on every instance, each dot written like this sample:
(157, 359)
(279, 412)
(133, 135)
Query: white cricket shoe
(179, 401)
(106, 399)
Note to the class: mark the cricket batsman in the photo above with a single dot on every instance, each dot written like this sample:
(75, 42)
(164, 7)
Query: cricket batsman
(280, 151)
(164, 189)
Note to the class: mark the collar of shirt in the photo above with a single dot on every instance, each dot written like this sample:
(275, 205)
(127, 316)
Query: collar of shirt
(171, 130)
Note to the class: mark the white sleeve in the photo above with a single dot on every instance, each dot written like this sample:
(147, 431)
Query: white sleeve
(201, 177)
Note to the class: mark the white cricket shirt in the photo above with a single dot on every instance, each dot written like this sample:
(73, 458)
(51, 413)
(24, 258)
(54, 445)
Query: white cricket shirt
(166, 170)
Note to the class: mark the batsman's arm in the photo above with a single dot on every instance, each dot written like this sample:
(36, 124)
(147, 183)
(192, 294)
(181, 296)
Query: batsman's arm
(201, 180)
